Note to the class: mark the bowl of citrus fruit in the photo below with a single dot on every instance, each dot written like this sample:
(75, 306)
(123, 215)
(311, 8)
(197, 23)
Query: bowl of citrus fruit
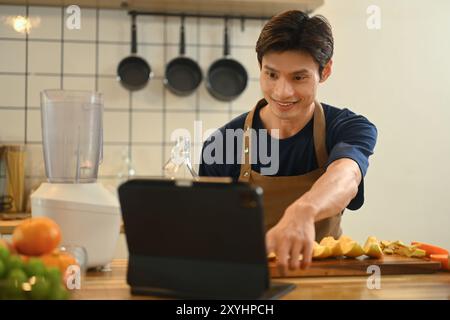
(32, 266)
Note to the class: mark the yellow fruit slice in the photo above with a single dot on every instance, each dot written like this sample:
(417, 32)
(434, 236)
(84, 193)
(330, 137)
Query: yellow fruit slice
(321, 252)
(334, 246)
(351, 249)
(372, 248)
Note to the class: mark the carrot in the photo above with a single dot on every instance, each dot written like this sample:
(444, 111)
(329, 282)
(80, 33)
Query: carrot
(429, 248)
(443, 259)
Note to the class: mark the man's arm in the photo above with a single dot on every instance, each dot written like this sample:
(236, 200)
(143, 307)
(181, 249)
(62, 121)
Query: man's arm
(333, 191)
(294, 234)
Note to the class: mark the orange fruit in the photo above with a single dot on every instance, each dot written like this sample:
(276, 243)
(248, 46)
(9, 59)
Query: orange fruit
(36, 236)
(60, 260)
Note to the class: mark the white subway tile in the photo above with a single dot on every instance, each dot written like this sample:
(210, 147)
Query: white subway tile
(34, 161)
(49, 22)
(248, 36)
(212, 31)
(150, 29)
(87, 26)
(247, 57)
(79, 58)
(149, 97)
(12, 125)
(110, 56)
(147, 127)
(79, 83)
(115, 126)
(7, 16)
(44, 57)
(114, 95)
(13, 56)
(176, 121)
(146, 160)
(211, 122)
(188, 103)
(12, 91)
(115, 25)
(248, 99)
(36, 84)
(34, 127)
(114, 161)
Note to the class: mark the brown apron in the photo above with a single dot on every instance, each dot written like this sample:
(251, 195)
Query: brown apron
(281, 191)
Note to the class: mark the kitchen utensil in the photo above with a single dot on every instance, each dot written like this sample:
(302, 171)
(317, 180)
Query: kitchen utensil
(183, 75)
(87, 213)
(12, 178)
(134, 72)
(226, 78)
(180, 160)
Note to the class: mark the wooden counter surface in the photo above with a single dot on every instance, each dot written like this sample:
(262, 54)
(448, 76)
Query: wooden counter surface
(112, 285)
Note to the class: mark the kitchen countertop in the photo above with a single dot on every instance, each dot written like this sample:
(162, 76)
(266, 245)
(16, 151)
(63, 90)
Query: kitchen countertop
(7, 226)
(112, 285)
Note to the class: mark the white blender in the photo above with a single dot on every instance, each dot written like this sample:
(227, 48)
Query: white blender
(87, 213)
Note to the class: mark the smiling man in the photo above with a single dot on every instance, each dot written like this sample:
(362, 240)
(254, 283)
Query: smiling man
(322, 152)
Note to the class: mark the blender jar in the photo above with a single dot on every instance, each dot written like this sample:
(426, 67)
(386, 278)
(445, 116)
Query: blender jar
(72, 135)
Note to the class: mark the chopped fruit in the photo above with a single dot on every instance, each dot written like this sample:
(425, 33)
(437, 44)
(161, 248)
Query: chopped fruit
(429, 248)
(60, 260)
(333, 244)
(372, 248)
(321, 252)
(443, 259)
(351, 249)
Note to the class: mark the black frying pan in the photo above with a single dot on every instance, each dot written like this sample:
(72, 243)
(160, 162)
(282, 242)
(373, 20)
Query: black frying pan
(226, 78)
(133, 71)
(183, 75)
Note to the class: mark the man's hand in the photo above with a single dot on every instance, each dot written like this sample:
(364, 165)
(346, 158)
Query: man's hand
(292, 237)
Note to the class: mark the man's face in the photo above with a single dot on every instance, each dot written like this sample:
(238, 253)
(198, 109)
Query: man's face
(289, 82)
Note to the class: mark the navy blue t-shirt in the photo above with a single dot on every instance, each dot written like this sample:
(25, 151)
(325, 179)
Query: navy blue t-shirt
(348, 135)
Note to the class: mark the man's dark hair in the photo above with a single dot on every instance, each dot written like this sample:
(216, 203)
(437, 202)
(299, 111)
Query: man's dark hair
(294, 30)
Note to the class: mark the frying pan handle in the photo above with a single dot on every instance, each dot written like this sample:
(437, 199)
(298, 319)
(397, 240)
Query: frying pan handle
(226, 47)
(182, 39)
(133, 33)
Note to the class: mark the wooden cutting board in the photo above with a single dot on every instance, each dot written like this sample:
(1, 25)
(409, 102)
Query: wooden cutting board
(358, 267)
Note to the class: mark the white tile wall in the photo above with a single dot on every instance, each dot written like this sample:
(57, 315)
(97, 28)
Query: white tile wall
(44, 57)
(11, 90)
(115, 127)
(13, 56)
(147, 127)
(34, 132)
(38, 83)
(87, 26)
(49, 20)
(89, 58)
(6, 15)
(115, 96)
(79, 58)
(12, 125)
(78, 83)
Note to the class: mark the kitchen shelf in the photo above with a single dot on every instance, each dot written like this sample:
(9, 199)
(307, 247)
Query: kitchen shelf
(216, 7)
